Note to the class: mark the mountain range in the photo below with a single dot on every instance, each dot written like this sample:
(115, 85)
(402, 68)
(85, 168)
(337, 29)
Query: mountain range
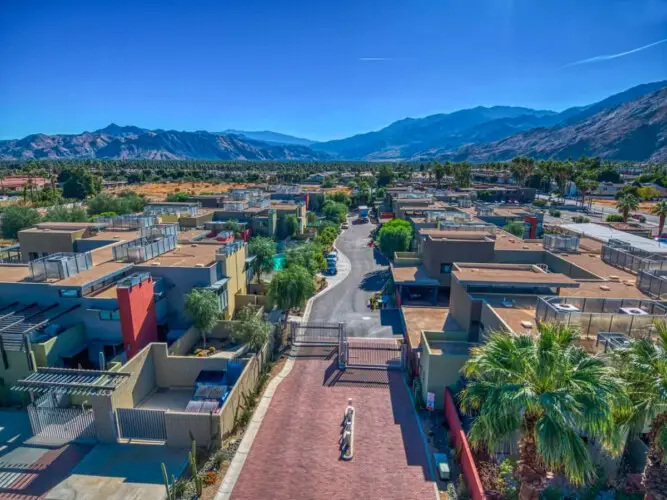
(631, 125)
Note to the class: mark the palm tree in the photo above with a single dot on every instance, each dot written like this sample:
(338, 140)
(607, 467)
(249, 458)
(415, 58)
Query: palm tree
(547, 392)
(643, 365)
(660, 209)
(626, 204)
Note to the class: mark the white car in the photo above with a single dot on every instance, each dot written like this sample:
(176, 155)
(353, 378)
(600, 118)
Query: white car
(344, 225)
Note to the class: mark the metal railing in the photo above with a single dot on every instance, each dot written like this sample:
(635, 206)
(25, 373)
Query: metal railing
(60, 265)
(624, 256)
(595, 315)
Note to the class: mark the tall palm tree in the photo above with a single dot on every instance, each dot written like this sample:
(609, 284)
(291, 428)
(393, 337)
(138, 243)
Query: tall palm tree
(660, 209)
(643, 365)
(547, 392)
(626, 204)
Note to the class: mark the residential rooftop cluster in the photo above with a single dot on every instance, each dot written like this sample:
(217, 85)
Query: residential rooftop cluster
(466, 277)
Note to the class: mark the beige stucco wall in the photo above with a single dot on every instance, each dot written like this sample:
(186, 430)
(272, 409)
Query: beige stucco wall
(47, 241)
(438, 371)
(436, 252)
(181, 371)
(183, 427)
(142, 381)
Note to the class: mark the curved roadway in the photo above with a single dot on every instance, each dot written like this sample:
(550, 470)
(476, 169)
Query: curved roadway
(348, 301)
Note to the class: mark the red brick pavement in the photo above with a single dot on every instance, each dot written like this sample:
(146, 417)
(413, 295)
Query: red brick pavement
(296, 456)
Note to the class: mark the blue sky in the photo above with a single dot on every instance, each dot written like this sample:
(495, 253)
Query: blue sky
(313, 68)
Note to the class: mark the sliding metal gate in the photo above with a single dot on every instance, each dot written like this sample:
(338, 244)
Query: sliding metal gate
(50, 422)
(137, 423)
(374, 353)
(315, 333)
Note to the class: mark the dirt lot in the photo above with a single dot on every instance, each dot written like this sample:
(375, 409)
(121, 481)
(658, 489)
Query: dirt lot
(159, 190)
(644, 206)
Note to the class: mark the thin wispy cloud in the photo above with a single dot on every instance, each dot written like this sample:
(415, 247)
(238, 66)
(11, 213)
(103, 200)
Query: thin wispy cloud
(609, 57)
(375, 58)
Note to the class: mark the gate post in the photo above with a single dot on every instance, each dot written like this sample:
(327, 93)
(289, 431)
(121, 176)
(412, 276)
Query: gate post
(342, 347)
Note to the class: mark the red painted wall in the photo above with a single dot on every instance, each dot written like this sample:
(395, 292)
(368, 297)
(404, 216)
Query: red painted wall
(458, 436)
(245, 234)
(138, 324)
(532, 234)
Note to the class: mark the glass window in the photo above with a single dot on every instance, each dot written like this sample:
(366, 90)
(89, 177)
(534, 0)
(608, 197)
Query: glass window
(105, 315)
(445, 268)
(115, 315)
(70, 292)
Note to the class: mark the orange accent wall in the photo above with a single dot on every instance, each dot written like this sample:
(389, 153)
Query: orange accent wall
(138, 323)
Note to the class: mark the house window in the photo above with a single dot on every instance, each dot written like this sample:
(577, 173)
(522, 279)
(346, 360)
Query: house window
(445, 268)
(70, 292)
(109, 315)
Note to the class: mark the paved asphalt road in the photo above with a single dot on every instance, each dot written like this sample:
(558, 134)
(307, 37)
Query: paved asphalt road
(347, 301)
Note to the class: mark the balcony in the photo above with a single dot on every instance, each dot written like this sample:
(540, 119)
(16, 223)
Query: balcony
(633, 318)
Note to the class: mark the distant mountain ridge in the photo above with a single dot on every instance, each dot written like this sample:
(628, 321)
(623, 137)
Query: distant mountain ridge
(629, 125)
(410, 137)
(129, 142)
(632, 131)
(271, 137)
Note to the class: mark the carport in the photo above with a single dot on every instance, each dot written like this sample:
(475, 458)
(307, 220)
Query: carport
(411, 281)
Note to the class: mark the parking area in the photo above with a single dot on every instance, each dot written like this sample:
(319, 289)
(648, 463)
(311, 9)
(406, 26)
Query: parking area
(121, 472)
(30, 469)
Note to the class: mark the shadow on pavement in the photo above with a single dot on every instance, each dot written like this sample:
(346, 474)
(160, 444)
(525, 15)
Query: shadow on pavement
(392, 318)
(370, 378)
(404, 415)
(314, 352)
(374, 281)
(380, 259)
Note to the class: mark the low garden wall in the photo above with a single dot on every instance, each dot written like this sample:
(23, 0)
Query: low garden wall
(183, 427)
(243, 388)
(460, 443)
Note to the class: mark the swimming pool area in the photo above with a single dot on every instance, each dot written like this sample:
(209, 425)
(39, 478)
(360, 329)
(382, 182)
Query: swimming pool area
(278, 262)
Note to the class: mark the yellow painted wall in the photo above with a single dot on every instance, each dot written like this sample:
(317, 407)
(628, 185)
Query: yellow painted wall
(48, 353)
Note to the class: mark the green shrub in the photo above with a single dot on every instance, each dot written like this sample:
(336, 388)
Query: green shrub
(580, 219)
(554, 213)
(614, 218)
(540, 203)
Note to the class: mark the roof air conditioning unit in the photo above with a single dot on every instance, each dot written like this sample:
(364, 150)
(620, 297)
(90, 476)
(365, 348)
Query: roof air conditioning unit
(566, 308)
(632, 311)
(199, 264)
(155, 264)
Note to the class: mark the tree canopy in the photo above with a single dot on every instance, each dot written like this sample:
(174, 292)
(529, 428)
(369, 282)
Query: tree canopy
(291, 288)
(549, 392)
(250, 328)
(204, 309)
(263, 249)
(395, 236)
(15, 218)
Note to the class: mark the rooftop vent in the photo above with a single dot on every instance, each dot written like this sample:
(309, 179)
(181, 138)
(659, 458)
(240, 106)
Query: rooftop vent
(632, 311)
(566, 308)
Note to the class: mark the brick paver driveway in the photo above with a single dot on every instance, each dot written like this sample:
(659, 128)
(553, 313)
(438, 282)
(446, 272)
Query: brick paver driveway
(296, 456)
